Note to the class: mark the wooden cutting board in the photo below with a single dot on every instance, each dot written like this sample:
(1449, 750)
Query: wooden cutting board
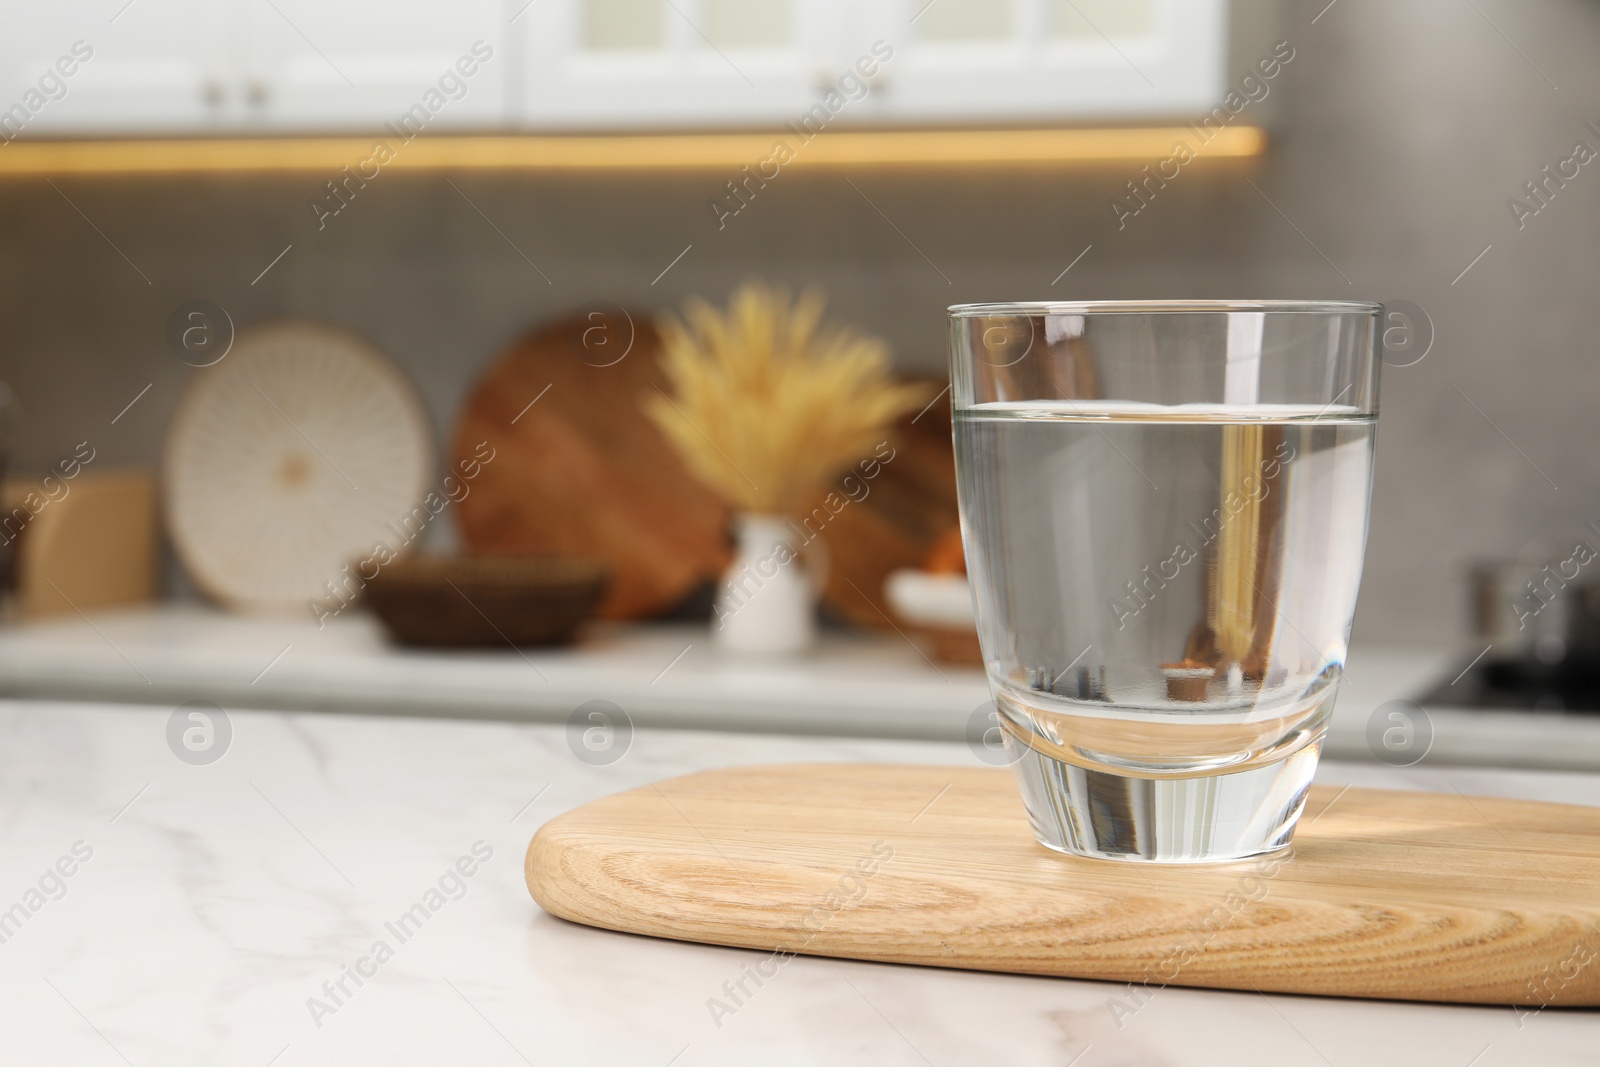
(1408, 896)
(578, 470)
(893, 519)
(91, 543)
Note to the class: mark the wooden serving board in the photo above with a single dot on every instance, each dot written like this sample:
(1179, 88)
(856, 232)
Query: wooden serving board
(896, 520)
(579, 471)
(1408, 896)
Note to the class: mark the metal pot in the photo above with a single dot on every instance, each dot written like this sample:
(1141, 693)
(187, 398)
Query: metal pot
(1540, 613)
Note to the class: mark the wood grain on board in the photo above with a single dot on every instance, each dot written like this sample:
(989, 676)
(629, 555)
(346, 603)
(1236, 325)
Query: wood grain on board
(581, 471)
(1408, 896)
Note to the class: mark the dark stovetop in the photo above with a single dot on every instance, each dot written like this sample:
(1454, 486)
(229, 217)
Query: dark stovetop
(1511, 686)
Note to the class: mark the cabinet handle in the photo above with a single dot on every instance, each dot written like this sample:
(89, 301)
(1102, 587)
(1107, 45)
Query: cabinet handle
(212, 91)
(255, 91)
(827, 80)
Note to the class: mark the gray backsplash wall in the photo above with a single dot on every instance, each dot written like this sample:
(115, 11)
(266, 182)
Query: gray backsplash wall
(1407, 127)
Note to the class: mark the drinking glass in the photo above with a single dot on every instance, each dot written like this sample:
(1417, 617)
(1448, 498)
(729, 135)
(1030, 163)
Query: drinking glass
(1165, 509)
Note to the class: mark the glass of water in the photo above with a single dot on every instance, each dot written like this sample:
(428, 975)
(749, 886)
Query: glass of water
(1165, 510)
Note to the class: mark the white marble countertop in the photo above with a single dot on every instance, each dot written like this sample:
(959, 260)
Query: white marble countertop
(206, 905)
(664, 675)
(868, 685)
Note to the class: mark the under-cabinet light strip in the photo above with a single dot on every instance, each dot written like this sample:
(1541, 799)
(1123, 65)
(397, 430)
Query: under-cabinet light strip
(628, 151)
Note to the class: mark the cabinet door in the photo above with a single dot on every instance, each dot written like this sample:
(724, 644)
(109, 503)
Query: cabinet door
(353, 65)
(672, 63)
(984, 61)
(114, 67)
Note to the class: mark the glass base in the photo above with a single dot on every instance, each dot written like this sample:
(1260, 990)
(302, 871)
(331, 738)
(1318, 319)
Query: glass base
(1203, 819)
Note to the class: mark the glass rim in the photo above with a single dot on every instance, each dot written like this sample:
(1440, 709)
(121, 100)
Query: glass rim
(1169, 307)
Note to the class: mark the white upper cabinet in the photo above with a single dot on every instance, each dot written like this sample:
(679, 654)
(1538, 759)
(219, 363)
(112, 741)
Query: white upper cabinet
(994, 61)
(107, 66)
(675, 63)
(729, 63)
(229, 67)
(329, 65)
(258, 66)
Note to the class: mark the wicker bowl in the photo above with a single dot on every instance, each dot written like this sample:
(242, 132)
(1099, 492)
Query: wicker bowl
(486, 601)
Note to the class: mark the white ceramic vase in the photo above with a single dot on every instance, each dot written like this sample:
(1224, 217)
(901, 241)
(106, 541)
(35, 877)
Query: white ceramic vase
(766, 603)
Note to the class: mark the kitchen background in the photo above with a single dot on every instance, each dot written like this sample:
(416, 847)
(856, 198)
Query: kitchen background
(1399, 131)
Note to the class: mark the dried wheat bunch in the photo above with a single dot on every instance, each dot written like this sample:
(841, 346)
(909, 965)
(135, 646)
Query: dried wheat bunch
(768, 404)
